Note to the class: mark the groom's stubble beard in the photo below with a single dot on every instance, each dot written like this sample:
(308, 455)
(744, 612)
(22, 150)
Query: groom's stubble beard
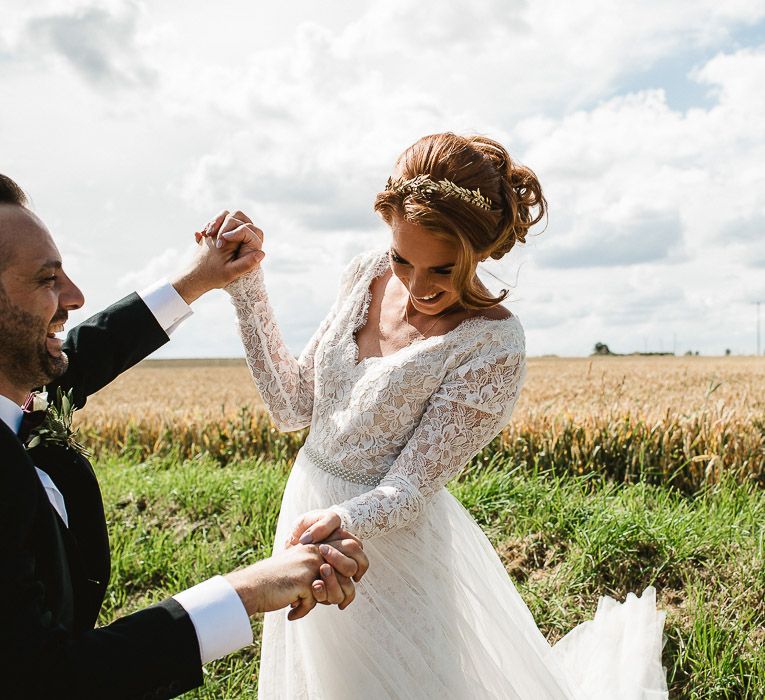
(24, 357)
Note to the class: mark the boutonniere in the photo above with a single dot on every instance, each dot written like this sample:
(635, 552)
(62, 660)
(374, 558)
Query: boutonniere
(51, 421)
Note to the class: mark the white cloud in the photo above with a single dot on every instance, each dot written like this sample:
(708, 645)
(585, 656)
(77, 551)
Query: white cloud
(297, 113)
(100, 42)
(160, 266)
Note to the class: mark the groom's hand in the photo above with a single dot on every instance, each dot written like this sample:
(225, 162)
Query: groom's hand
(281, 580)
(290, 578)
(230, 246)
(235, 233)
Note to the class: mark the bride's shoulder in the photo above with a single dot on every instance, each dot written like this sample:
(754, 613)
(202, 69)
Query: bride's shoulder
(496, 313)
(494, 332)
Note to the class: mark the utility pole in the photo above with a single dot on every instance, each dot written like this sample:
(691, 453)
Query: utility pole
(758, 327)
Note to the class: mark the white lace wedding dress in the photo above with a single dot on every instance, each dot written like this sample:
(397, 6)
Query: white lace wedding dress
(436, 616)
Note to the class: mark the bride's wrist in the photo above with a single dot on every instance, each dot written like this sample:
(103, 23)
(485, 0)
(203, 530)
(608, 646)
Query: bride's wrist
(246, 283)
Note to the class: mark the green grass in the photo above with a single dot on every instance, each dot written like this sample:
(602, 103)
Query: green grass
(565, 539)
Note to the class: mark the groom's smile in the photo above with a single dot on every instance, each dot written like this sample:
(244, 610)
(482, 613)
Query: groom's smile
(52, 342)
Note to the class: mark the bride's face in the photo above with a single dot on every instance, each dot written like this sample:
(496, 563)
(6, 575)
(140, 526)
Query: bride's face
(423, 263)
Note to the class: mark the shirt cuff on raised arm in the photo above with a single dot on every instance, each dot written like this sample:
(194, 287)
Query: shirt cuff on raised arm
(166, 304)
(218, 616)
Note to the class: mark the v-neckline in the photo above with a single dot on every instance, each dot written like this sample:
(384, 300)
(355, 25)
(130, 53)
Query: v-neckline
(378, 270)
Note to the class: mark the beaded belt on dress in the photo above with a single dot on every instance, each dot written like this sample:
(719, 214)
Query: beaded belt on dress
(337, 469)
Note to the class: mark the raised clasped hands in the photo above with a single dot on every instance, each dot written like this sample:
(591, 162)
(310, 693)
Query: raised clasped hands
(229, 247)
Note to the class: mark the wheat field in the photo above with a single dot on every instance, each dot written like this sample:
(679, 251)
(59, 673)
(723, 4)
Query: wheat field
(203, 390)
(681, 421)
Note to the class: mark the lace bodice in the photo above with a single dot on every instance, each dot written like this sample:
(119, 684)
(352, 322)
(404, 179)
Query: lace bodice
(405, 423)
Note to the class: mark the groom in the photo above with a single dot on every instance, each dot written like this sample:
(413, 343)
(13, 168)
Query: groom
(54, 549)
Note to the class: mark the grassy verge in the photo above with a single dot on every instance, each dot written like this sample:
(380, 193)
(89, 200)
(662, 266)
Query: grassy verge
(564, 538)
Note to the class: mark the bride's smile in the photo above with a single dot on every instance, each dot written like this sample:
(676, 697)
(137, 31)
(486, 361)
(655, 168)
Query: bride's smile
(423, 263)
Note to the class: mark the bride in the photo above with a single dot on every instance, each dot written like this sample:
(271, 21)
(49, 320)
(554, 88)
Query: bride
(415, 369)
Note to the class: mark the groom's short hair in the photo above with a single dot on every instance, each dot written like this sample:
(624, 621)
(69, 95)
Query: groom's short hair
(10, 193)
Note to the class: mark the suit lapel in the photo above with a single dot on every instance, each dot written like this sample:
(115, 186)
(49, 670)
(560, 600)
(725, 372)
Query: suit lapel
(86, 537)
(48, 533)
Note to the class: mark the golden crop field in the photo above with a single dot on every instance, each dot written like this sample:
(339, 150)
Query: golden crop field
(203, 390)
(680, 421)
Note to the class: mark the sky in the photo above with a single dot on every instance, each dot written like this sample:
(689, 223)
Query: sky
(130, 124)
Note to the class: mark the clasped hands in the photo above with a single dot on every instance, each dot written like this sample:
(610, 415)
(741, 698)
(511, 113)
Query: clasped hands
(323, 527)
(302, 576)
(319, 564)
(229, 247)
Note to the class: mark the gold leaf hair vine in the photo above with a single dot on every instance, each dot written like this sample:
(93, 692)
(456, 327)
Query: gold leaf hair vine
(422, 184)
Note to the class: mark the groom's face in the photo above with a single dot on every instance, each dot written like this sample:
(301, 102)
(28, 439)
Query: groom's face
(36, 296)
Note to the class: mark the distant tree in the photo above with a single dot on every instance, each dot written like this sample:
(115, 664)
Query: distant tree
(601, 349)
(727, 351)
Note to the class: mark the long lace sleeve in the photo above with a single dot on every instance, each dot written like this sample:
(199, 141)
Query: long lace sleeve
(285, 383)
(470, 408)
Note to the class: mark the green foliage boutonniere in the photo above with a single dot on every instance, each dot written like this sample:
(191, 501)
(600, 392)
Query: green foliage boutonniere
(55, 427)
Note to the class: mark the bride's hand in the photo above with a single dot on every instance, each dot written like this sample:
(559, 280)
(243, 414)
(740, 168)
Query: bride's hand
(314, 526)
(234, 231)
(236, 235)
(323, 527)
(230, 246)
(345, 560)
(333, 588)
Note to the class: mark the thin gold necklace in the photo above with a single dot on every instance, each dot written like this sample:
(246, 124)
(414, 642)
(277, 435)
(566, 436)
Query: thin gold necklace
(431, 326)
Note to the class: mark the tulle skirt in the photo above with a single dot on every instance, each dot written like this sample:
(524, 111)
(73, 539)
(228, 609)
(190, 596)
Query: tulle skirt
(437, 617)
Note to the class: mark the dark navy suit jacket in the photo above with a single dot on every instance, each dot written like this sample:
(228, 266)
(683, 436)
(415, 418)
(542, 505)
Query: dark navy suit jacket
(53, 578)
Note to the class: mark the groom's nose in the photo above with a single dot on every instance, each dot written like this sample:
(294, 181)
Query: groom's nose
(71, 297)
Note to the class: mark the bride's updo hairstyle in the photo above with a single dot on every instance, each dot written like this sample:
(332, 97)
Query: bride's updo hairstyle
(487, 204)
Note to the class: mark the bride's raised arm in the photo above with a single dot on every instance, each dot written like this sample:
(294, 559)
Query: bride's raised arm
(470, 408)
(285, 383)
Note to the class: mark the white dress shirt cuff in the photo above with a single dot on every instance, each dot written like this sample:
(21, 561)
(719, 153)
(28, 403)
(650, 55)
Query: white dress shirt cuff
(166, 304)
(218, 616)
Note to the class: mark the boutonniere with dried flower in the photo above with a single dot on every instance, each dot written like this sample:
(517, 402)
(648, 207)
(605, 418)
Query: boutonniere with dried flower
(49, 423)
